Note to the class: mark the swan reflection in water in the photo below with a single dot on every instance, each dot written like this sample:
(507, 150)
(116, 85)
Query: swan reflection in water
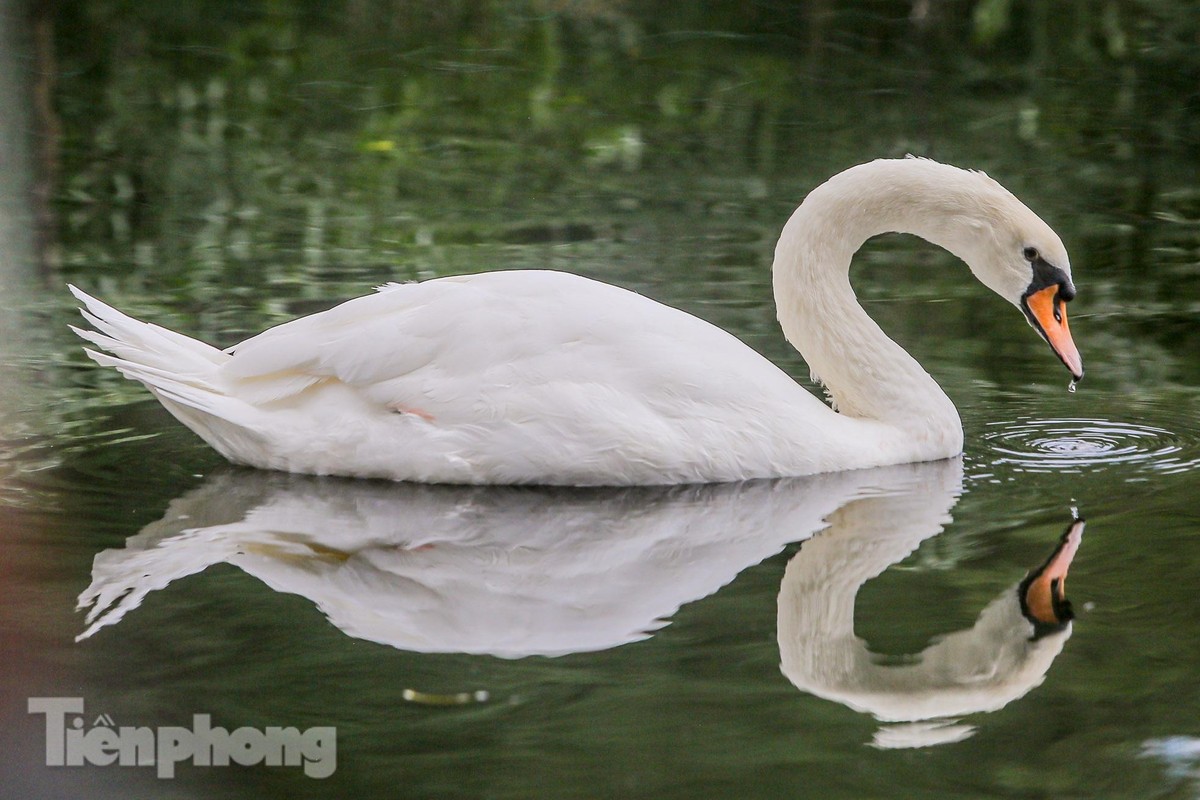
(521, 571)
(1004, 655)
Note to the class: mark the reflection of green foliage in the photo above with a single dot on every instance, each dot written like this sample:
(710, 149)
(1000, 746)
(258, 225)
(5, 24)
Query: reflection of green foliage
(292, 148)
(992, 18)
(175, 115)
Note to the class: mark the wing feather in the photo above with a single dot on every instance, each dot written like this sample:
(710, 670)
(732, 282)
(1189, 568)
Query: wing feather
(469, 345)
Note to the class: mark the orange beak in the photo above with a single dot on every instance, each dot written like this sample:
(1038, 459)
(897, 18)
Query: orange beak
(1049, 314)
(1045, 591)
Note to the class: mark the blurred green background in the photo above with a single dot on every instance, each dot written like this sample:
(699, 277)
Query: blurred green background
(221, 166)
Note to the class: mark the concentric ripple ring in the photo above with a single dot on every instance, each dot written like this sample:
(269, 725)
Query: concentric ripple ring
(1077, 445)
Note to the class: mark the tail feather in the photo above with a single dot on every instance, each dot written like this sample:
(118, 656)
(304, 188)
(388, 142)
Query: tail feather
(165, 384)
(181, 372)
(144, 343)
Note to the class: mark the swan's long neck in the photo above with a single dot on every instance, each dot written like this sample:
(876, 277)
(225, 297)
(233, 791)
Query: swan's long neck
(867, 374)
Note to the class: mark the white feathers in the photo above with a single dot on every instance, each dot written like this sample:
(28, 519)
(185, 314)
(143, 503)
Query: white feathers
(147, 345)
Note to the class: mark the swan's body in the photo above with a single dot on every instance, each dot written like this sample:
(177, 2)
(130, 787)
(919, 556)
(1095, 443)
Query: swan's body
(546, 377)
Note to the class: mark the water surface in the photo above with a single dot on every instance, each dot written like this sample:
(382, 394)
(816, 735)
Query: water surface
(837, 636)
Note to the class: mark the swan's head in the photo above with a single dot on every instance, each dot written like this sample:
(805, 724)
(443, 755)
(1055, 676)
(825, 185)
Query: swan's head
(1007, 246)
(1043, 593)
(1018, 256)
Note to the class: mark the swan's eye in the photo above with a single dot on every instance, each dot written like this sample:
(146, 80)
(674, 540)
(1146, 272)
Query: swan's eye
(1030, 253)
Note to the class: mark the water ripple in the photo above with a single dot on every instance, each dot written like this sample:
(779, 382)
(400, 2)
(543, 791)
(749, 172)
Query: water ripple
(1079, 445)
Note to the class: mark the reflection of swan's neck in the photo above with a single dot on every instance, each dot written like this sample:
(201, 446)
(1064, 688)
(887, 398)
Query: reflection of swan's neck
(868, 375)
(978, 669)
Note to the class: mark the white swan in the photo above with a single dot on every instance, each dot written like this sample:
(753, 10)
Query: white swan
(547, 377)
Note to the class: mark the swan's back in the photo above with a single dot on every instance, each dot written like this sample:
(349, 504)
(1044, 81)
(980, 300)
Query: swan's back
(512, 330)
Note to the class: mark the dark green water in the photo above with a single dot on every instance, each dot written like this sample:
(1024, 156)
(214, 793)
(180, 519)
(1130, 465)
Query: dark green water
(229, 172)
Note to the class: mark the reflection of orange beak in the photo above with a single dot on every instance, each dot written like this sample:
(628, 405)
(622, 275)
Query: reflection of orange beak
(1044, 592)
(1050, 313)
